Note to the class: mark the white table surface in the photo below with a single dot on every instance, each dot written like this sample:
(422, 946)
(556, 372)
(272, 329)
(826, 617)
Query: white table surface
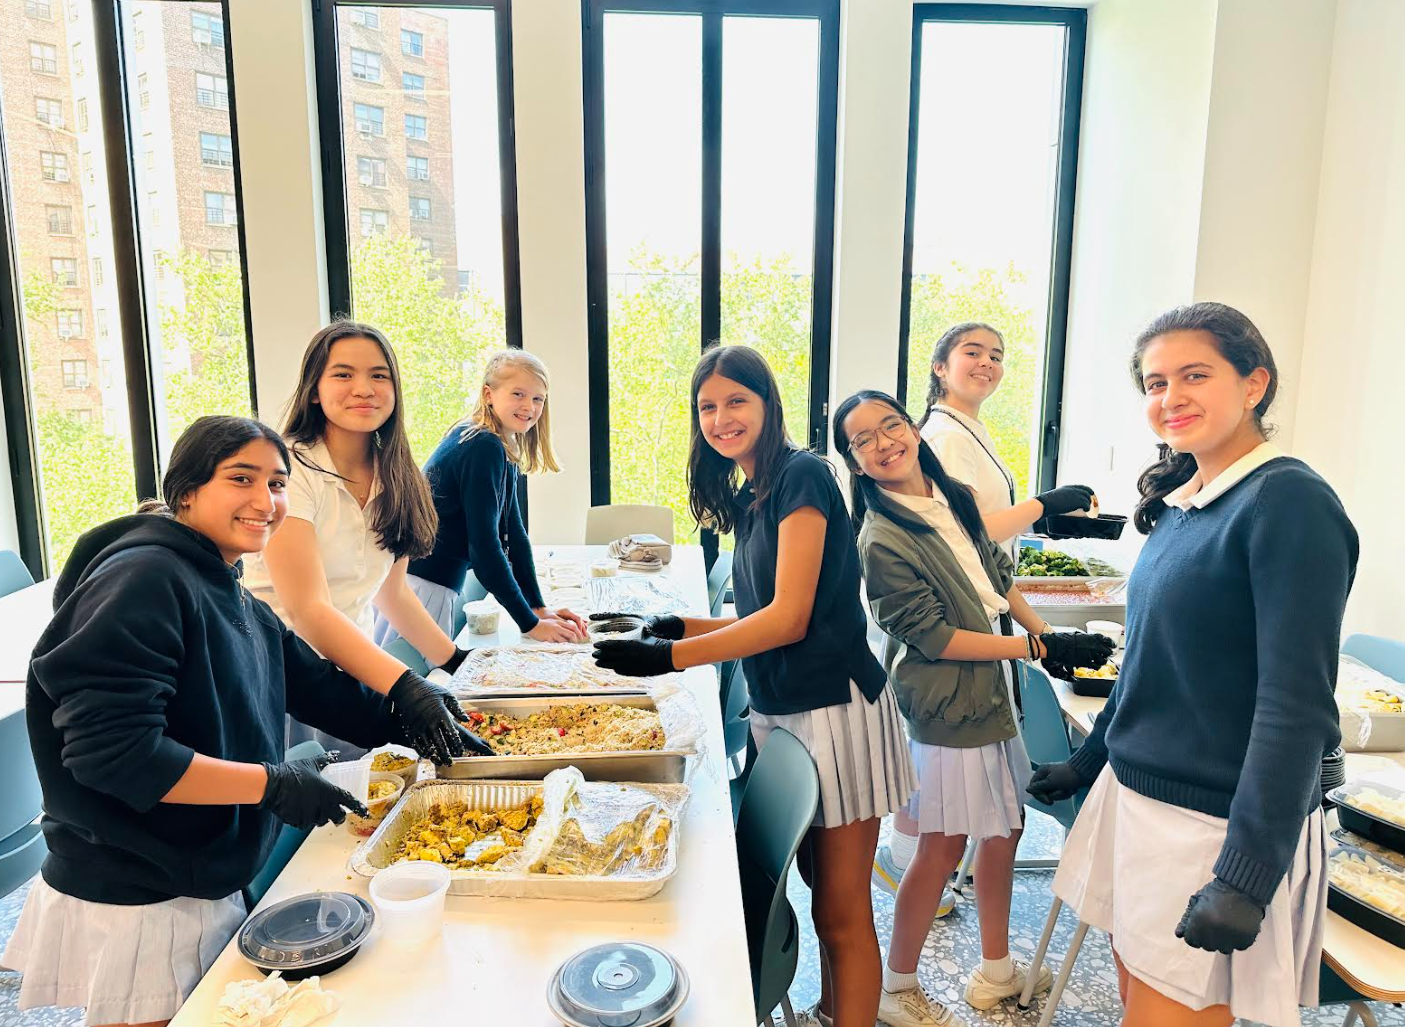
(23, 617)
(495, 956)
(1369, 964)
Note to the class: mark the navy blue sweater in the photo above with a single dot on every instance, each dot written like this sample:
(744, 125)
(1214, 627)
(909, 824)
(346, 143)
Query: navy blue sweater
(480, 524)
(1225, 700)
(156, 652)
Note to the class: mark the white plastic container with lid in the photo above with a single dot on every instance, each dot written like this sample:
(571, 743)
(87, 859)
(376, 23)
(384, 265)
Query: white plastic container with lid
(482, 616)
(409, 898)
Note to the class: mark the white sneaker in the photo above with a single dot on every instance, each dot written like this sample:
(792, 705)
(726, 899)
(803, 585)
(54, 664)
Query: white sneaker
(887, 877)
(983, 993)
(811, 1017)
(911, 1008)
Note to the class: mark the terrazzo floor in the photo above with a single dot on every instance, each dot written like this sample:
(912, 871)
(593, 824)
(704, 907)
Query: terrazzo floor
(952, 949)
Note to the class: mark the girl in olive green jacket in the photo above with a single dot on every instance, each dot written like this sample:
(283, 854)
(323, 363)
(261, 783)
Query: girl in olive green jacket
(938, 587)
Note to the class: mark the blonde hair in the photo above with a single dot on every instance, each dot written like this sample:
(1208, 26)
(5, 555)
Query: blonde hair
(530, 450)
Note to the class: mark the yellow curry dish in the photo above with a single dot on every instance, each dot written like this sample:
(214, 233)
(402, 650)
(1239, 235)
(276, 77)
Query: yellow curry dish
(1107, 672)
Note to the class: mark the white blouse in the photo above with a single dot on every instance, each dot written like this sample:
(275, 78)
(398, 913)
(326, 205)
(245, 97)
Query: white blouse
(355, 564)
(967, 453)
(936, 512)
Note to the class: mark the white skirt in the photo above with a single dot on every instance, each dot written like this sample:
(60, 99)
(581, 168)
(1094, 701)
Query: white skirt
(1131, 864)
(860, 751)
(122, 964)
(438, 600)
(976, 792)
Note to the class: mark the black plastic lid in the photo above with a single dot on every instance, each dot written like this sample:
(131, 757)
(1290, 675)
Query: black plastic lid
(306, 930)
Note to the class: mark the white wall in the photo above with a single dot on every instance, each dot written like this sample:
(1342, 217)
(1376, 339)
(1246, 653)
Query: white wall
(9, 529)
(1349, 415)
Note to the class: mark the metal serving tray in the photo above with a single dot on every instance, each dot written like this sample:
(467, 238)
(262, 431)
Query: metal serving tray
(655, 766)
(378, 851)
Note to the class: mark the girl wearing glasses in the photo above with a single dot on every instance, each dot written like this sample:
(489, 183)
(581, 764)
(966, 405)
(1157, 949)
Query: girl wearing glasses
(801, 638)
(937, 586)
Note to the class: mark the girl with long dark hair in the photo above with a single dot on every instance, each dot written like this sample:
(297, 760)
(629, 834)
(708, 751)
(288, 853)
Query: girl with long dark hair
(800, 633)
(358, 510)
(1201, 846)
(156, 704)
(937, 586)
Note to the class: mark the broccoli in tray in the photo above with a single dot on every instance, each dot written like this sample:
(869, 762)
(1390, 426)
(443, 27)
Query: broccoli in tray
(1048, 563)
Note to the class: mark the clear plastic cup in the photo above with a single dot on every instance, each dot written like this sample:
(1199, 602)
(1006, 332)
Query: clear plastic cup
(409, 899)
(482, 616)
(377, 809)
(354, 776)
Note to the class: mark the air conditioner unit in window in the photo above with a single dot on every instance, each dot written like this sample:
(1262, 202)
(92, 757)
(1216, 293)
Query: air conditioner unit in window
(365, 128)
(65, 332)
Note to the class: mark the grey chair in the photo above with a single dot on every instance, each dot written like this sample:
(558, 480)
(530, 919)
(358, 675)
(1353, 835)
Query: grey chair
(604, 524)
(22, 847)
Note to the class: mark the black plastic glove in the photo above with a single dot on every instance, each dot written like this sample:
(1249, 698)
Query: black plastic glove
(644, 658)
(1066, 499)
(1054, 782)
(430, 715)
(665, 626)
(300, 796)
(473, 745)
(1065, 650)
(1220, 918)
(452, 663)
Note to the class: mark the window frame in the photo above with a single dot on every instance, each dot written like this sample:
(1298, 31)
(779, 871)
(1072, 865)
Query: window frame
(712, 13)
(336, 149)
(223, 150)
(44, 62)
(1074, 20)
(366, 65)
(214, 91)
(411, 43)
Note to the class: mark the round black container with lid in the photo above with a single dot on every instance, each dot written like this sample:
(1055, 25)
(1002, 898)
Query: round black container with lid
(619, 984)
(307, 934)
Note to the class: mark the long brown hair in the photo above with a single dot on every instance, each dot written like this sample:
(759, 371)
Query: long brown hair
(1240, 343)
(530, 450)
(941, 352)
(402, 515)
(712, 477)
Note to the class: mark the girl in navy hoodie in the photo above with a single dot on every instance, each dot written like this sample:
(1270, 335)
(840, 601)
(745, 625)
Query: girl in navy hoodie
(156, 702)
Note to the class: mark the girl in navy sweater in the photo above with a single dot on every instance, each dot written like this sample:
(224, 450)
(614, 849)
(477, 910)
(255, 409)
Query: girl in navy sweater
(1200, 848)
(474, 474)
(156, 702)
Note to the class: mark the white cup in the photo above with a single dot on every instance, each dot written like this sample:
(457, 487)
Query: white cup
(354, 776)
(409, 899)
(1110, 628)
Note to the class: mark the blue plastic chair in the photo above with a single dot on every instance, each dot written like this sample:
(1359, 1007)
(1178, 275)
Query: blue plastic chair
(22, 847)
(14, 575)
(407, 654)
(290, 838)
(1383, 654)
(472, 591)
(777, 809)
(717, 579)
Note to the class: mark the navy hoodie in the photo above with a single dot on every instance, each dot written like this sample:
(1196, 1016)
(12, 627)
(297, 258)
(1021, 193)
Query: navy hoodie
(157, 652)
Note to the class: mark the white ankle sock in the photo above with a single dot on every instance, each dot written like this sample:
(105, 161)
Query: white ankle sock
(903, 847)
(894, 982)
(998, 971)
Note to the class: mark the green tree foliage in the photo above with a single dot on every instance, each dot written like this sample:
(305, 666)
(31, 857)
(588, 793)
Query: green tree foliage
(86, 475)
(940, 301)
(203, 342)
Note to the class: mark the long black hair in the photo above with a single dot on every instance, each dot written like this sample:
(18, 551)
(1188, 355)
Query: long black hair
(941, 352)
(1240, 343)
(712, 477)
(863, 490)
(201, 448)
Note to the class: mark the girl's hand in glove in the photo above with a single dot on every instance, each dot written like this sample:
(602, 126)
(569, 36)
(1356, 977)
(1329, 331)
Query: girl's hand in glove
(1065, 650)
(430, 715)
(1220, 918)
(1054, 782)
(300, 796)
(647, 657)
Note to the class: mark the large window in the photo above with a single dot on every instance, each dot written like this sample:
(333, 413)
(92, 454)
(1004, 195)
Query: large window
(421, 225)
(995, 101)
(709, 217)
(87, 445)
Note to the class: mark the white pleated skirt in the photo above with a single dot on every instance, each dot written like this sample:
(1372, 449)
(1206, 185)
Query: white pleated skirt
(438, 602)
(860, 751)
(1131, 864)
(121, 964)
(976, 792)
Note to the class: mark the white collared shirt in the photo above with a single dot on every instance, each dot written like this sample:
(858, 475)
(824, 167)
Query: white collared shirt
(355, 564)
(967, 453)
(935, 511)
(1195, 494)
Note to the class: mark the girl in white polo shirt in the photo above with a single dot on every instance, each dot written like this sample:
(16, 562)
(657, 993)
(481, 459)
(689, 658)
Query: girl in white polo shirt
(358, 510)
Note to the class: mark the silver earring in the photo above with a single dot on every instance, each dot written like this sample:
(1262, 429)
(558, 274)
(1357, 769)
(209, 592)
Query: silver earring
(377, 436)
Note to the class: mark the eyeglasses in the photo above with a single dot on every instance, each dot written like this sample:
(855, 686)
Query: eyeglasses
(893, 427)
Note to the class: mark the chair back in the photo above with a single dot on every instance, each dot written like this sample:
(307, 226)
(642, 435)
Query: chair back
(471, 592)
(777, 809)
(736, 712)
(14, 575)
(1046, 737)
(1382, 654)
(290, 838)
(717, 580)
(407, 654)
(21, 799)
(604, 524)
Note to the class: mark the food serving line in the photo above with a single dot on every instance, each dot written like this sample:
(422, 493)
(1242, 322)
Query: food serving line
(495, 957)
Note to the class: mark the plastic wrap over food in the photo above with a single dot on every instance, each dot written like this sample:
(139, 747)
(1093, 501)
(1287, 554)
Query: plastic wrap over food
(562, 837)
(1371, 707)
(629, 593)
(557, 668)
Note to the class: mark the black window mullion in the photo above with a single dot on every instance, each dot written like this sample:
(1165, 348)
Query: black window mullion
(239, 206)
(597, 284)
(711, 257)
(910, 209)
(334, 212)
(507, 162)
(822, 276)
(117, 150)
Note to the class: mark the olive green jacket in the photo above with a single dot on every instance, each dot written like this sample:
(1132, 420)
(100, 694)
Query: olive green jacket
(920, 597)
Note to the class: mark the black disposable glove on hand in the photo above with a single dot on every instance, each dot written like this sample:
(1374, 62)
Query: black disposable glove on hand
(430, 715)
(667, 626)
(452, 663)
(473, 745)
(1065, 650)
(300, 796)
(1054, 782)
(1220, 918)
(645, 658)
(1066, 499)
